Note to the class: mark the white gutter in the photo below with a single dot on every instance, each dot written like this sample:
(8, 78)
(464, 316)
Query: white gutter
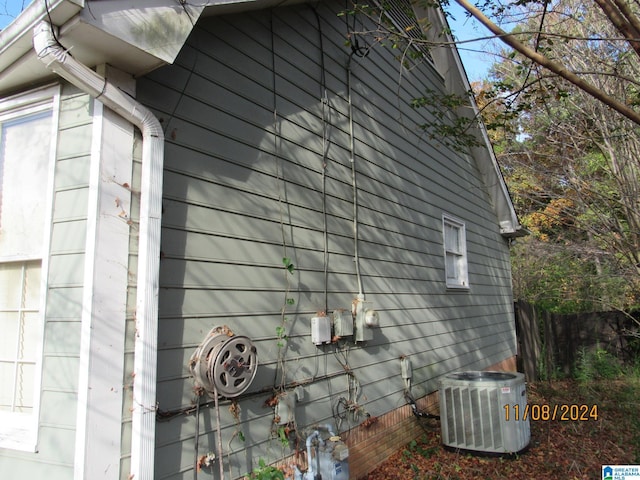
(144, 383)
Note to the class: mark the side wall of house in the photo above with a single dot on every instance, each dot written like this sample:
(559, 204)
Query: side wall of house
(258, 113)
(54, 459)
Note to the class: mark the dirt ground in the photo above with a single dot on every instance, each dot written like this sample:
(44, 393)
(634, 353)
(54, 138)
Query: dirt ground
(558, 449)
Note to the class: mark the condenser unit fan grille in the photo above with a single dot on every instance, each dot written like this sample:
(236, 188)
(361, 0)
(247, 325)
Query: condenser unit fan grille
(467, 425)
(472, 412)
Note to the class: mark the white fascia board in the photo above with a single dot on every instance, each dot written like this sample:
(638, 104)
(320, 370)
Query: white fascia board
(15, 38)
(19, 69)
(450, 66)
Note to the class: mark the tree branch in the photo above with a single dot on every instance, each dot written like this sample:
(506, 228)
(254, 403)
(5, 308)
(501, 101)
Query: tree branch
(619, 20)
(551, 65)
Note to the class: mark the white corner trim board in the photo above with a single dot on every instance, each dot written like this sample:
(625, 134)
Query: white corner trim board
(144, 387)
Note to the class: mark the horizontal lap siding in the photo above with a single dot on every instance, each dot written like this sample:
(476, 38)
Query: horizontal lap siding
(244, 186)
(66, 275)
(61, 349)
(56, 441)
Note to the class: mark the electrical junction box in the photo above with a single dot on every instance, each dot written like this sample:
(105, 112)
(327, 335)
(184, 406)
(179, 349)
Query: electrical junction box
(342, 323)
(363, 331)
(285, 408)
(405, 365)
(371, 318)
(320, 330)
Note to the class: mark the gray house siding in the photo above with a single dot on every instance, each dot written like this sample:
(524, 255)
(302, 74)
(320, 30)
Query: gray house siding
(248, 137)
(61, 347)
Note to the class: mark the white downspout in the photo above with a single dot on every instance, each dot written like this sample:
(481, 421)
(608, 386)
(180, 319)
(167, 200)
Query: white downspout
(144, 383)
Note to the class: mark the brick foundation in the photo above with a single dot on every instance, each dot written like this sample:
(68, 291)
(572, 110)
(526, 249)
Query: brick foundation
(372, 443)
(370, 446)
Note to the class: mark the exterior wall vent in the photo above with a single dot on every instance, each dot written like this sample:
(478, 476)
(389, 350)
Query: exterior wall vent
(402, 20)
(477, 412)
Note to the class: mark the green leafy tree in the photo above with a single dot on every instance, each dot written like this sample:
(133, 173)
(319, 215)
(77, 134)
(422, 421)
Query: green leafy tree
(572, 165)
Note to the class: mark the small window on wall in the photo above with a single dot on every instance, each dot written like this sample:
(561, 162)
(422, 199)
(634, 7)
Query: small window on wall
(26, 133)
(455, 253)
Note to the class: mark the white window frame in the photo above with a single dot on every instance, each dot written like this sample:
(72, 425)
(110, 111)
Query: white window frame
(19, 431)
(459, 277)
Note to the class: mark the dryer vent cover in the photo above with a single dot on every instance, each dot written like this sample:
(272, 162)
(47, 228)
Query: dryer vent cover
(224, 363)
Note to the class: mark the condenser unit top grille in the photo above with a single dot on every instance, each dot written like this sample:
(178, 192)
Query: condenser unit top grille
(482, 376)
(472, 411)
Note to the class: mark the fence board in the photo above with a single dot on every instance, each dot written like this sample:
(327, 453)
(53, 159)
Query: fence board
(554, 341)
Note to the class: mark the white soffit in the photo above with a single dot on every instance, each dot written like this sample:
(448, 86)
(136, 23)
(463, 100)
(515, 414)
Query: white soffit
(157, 27)
(135, 36)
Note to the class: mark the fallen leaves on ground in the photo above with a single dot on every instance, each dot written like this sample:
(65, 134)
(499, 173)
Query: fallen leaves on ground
(558, 449)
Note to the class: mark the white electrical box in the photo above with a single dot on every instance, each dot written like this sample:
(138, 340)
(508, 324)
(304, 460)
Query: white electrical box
(371, 318)
(342, 323)
(405, 365)
(320, 330)
(363, 332)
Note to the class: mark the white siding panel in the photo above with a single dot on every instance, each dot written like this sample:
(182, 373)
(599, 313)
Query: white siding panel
(68, 237)
(62, 337)
(61, 410)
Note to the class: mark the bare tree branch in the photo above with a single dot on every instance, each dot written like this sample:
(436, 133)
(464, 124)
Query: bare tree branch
(549, 64)
(611, 9)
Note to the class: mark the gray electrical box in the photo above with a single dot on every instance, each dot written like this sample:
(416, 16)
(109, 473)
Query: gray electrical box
(320, 330)
(342, 323)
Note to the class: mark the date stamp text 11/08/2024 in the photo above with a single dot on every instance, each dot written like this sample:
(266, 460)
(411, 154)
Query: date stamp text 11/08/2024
(545, 412)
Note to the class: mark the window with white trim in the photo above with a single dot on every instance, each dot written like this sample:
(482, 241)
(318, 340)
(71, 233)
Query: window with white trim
(26, 132)
(455, 252)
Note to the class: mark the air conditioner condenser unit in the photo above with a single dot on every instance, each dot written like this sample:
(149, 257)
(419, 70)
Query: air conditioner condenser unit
(476, 412)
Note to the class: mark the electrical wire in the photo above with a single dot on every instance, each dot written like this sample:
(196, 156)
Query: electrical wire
(352, 36)
(280, 365)
(219, 432)
(416, 411)
(197, 441)
(358, 51)
(354, 180)
(53, 29)
(326, 128)
(167, 415)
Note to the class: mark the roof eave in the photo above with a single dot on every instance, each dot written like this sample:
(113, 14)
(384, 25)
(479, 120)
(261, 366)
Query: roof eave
(135, 37)
(457, 82)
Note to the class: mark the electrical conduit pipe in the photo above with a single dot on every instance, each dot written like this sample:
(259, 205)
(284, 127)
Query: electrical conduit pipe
(57, 59)
(311, 474)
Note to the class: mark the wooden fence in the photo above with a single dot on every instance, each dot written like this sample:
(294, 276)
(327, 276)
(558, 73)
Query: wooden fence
(550, 343)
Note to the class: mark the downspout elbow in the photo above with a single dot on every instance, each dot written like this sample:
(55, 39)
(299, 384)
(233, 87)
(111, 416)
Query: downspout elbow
(58, 60)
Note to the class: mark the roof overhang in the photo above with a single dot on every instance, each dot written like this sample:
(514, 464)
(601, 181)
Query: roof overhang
(135, 36)
(450, 66)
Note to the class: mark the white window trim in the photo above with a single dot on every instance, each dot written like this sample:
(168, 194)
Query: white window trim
(463, 271)
(19, 431)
